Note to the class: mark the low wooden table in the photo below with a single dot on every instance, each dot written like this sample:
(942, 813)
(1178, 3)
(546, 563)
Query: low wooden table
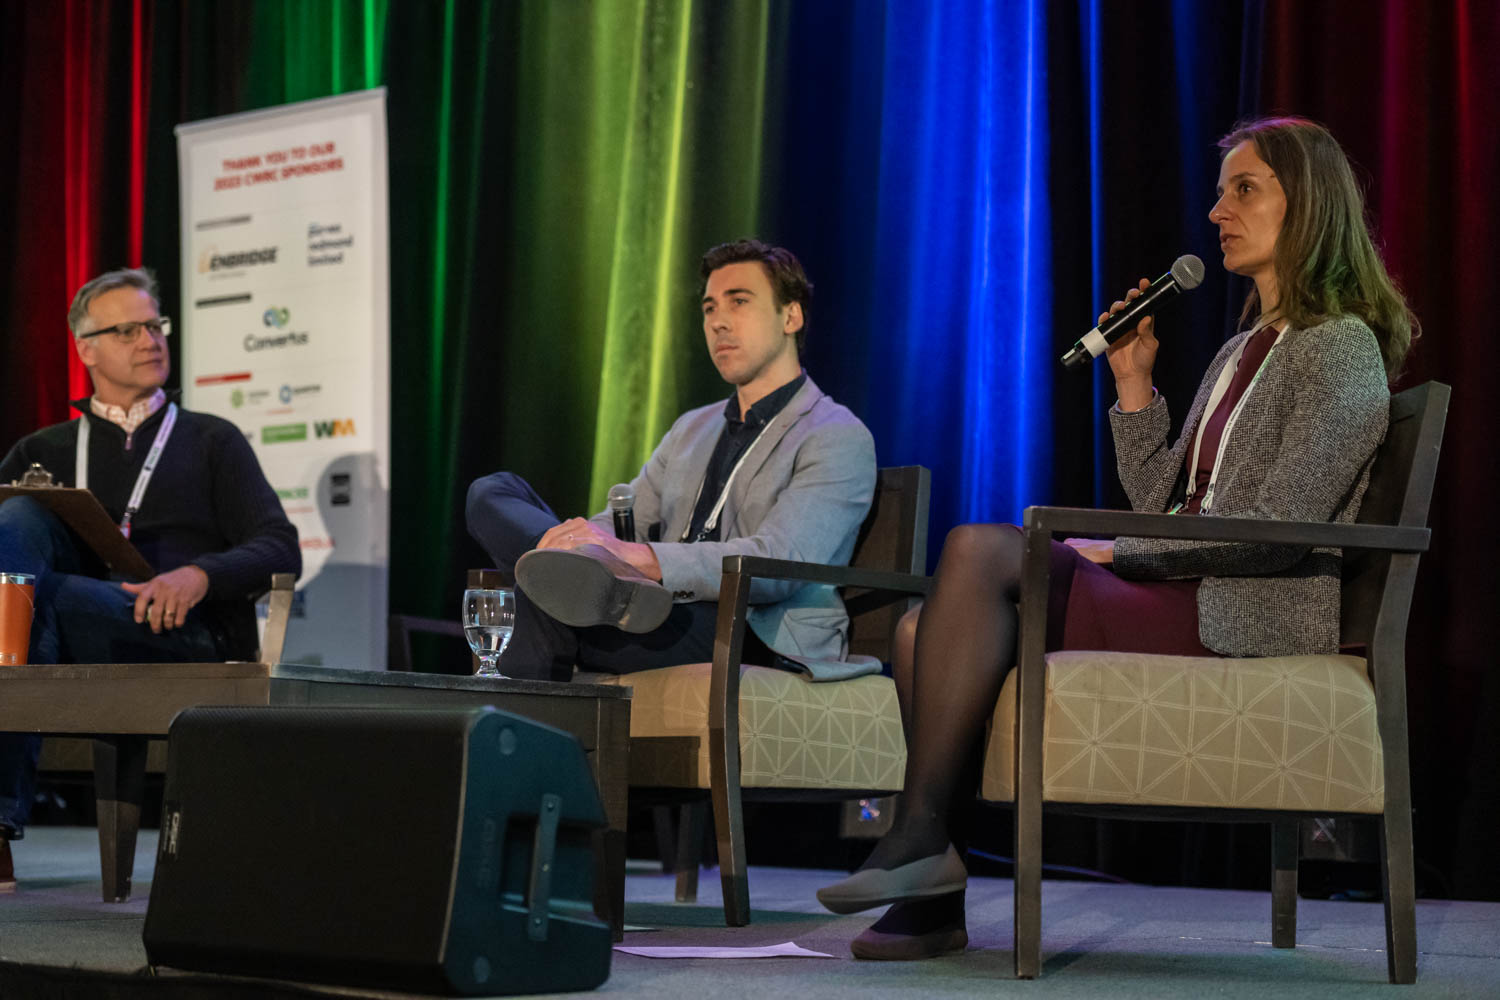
(124, 706)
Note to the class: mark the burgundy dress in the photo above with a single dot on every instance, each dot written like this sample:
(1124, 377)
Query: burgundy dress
(1092, 608)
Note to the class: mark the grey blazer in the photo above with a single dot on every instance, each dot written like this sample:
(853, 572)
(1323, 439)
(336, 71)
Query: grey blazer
(1301, 451)
(802, 494)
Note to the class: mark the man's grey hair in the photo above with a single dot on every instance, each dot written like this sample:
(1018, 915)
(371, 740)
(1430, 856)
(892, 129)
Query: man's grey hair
(79, 320)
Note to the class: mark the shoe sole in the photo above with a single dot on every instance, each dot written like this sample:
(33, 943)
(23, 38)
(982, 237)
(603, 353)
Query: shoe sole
(877, 947)
(582, 592)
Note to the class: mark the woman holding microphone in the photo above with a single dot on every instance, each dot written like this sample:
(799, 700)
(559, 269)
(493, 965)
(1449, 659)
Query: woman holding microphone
(1284, 425)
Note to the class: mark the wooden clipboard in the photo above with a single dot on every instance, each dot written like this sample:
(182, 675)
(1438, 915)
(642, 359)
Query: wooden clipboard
(81, 511)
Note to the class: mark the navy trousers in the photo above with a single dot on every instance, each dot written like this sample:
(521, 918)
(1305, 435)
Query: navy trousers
(78, 619)
(506, 516)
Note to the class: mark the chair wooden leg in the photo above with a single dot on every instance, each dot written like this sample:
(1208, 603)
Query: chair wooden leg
(724, 746)
(1028, 886)
(1398, 879)
(734, 871)
(666, 838)
(1030, 712)
(609, 879)
(689, 849)
(1285, 836)
(1397, 867)
(119, 786)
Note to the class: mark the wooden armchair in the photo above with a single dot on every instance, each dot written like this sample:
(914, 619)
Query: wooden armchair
(742, 731)
(1272, 739)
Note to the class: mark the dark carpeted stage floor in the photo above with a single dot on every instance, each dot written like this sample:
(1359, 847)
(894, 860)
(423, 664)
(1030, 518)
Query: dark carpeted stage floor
(58, 940)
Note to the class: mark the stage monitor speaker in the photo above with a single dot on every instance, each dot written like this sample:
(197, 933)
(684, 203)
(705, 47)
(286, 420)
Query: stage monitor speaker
(426, 850)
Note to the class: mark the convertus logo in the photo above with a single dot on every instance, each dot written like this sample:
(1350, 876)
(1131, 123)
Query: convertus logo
(276, 316)
(334, 428)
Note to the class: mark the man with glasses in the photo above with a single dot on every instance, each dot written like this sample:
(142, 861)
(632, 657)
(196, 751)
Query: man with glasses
(184, 487)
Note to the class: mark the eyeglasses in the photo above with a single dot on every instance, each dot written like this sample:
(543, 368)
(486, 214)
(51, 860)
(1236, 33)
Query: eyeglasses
(126, 333)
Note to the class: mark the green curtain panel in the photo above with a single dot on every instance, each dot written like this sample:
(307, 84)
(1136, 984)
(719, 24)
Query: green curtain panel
(557, 169)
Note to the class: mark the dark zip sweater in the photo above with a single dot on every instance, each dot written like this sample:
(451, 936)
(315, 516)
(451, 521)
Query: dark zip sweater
(208, 504)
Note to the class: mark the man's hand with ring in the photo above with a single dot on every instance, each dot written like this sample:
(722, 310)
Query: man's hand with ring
(164, 601)
(579, 531)
(573, 532)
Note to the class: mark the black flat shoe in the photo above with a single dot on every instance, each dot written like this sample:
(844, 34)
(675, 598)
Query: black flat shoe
(935, 875)
(878, 946)
(923, 928)
(589, 586)
(7, 867)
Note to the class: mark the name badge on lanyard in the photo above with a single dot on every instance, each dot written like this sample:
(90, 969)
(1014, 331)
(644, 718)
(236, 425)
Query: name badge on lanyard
(81, 463)
(713, 515)
(1220, 390)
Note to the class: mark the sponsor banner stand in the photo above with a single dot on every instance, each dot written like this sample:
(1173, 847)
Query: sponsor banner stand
(286, 333)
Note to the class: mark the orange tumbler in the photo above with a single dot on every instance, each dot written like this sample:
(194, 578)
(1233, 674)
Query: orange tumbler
(16, 596)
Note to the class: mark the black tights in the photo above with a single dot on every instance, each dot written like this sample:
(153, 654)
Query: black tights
(951, 656)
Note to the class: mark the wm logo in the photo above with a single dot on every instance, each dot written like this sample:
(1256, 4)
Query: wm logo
(334, 428)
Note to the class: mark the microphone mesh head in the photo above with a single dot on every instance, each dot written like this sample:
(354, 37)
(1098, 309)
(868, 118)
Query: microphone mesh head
(1187, 271)
(622, 497)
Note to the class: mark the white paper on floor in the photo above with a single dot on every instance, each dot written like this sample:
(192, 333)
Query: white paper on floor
(788, 949)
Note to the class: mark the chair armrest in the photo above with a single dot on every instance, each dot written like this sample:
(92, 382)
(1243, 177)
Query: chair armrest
(1077, 520)
(838, 576)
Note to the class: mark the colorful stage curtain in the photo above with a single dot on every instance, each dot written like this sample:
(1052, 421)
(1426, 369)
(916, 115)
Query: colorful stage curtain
(72, 190)
(968, 183)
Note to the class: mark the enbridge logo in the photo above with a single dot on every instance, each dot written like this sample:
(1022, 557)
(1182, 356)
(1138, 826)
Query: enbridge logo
(212, 260)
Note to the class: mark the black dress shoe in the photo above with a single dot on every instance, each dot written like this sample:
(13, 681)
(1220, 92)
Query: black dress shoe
(588, 586)
(7, 867)
(935, 875)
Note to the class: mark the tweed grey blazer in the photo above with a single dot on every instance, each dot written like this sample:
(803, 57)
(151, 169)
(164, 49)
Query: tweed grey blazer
(1301, 450)
(802, 494)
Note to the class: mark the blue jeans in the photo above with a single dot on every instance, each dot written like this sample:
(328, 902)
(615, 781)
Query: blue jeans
(78, 619)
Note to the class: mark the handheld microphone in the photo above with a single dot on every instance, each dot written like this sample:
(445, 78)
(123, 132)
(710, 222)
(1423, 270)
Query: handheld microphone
(622, 507)
(1185, 275)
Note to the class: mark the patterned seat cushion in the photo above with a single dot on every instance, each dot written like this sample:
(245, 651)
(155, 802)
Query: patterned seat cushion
(793, 734)
(1284, 732)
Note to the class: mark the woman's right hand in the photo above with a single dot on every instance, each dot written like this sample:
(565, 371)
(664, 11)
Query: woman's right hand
(1133, 356)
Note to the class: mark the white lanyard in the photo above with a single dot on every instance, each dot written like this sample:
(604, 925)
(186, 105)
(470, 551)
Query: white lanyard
(81, 463)
(1221, 387)
(713, 515)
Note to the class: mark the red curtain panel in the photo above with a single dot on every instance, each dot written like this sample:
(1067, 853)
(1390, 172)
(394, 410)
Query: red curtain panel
(77, 202)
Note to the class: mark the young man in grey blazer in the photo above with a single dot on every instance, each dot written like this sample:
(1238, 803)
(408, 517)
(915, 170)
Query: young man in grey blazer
(780, 470)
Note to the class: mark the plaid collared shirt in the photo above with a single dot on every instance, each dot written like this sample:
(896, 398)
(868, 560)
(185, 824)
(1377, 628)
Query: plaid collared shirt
(129, 420)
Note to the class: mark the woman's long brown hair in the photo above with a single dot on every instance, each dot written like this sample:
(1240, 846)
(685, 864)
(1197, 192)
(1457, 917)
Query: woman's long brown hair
(1326, 263)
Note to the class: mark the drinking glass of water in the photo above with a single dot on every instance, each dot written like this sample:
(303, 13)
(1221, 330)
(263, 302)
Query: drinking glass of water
(489, 617)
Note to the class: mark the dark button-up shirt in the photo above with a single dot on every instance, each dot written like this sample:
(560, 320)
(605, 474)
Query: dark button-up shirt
(735, 440)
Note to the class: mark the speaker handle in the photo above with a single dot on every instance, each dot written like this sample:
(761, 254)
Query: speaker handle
(543, 850)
